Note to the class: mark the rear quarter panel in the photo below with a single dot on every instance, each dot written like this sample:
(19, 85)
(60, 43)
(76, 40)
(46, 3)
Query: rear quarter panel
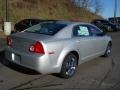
(61, 48)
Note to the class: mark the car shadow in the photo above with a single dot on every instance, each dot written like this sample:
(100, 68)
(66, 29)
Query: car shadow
(16, 67)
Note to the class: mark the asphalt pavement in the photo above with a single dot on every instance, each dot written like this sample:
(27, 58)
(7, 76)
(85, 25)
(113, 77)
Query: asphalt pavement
(97, 74)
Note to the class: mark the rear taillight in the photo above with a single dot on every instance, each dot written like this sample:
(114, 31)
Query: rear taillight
(9, 41)
(37, 48)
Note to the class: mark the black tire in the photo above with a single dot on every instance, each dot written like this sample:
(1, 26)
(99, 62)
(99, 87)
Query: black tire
(108, 50)
(69, 66)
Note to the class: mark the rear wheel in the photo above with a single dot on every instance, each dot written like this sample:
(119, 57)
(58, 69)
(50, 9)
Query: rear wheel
(69, 66)
(108, 50)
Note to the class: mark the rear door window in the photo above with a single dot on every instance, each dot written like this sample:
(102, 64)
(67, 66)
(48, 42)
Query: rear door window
(81, 31)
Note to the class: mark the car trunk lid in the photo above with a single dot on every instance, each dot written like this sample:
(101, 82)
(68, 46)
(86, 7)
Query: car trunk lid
(22, 41)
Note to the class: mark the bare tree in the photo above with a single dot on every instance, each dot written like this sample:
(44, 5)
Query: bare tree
(98, 6)
(83, 3)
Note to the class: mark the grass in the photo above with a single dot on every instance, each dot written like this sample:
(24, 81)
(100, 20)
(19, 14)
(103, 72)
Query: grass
(2, 35)
(45, 9)
(2, 42)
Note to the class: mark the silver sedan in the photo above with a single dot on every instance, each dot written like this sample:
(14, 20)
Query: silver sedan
(57, 46)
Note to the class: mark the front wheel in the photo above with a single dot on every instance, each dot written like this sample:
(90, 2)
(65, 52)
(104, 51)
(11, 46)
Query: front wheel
(108, 50)
(69, 66)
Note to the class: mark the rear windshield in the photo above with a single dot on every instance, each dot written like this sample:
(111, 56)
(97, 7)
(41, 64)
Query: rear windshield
(46, 28)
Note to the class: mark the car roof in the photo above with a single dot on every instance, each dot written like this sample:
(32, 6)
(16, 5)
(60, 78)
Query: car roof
(100, 20)
(72, 22)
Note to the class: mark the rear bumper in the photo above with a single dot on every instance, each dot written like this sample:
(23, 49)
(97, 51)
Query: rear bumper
(40, 63)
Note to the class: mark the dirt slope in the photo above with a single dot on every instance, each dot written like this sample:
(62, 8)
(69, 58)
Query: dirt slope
(45, 9)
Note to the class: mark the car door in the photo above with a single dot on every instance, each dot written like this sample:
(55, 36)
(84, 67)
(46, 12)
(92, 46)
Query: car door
(98, 38)
(84, 41)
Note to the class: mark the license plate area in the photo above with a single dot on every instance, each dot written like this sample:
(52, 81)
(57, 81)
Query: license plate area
(16, 58)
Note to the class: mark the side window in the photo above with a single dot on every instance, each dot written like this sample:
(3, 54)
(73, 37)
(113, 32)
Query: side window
(94, 30)
(81, 30)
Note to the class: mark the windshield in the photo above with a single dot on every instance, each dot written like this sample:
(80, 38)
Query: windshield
(105, 22)
(26, 23)
(46, 28)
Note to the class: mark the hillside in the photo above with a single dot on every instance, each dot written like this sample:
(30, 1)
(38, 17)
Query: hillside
(45, 9)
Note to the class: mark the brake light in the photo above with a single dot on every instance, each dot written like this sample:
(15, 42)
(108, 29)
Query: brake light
(37, 48)
(9, 41)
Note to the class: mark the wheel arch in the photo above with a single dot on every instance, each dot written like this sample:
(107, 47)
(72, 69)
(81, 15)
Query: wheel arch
(63, 55)
(110, 42)
(76, 54)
